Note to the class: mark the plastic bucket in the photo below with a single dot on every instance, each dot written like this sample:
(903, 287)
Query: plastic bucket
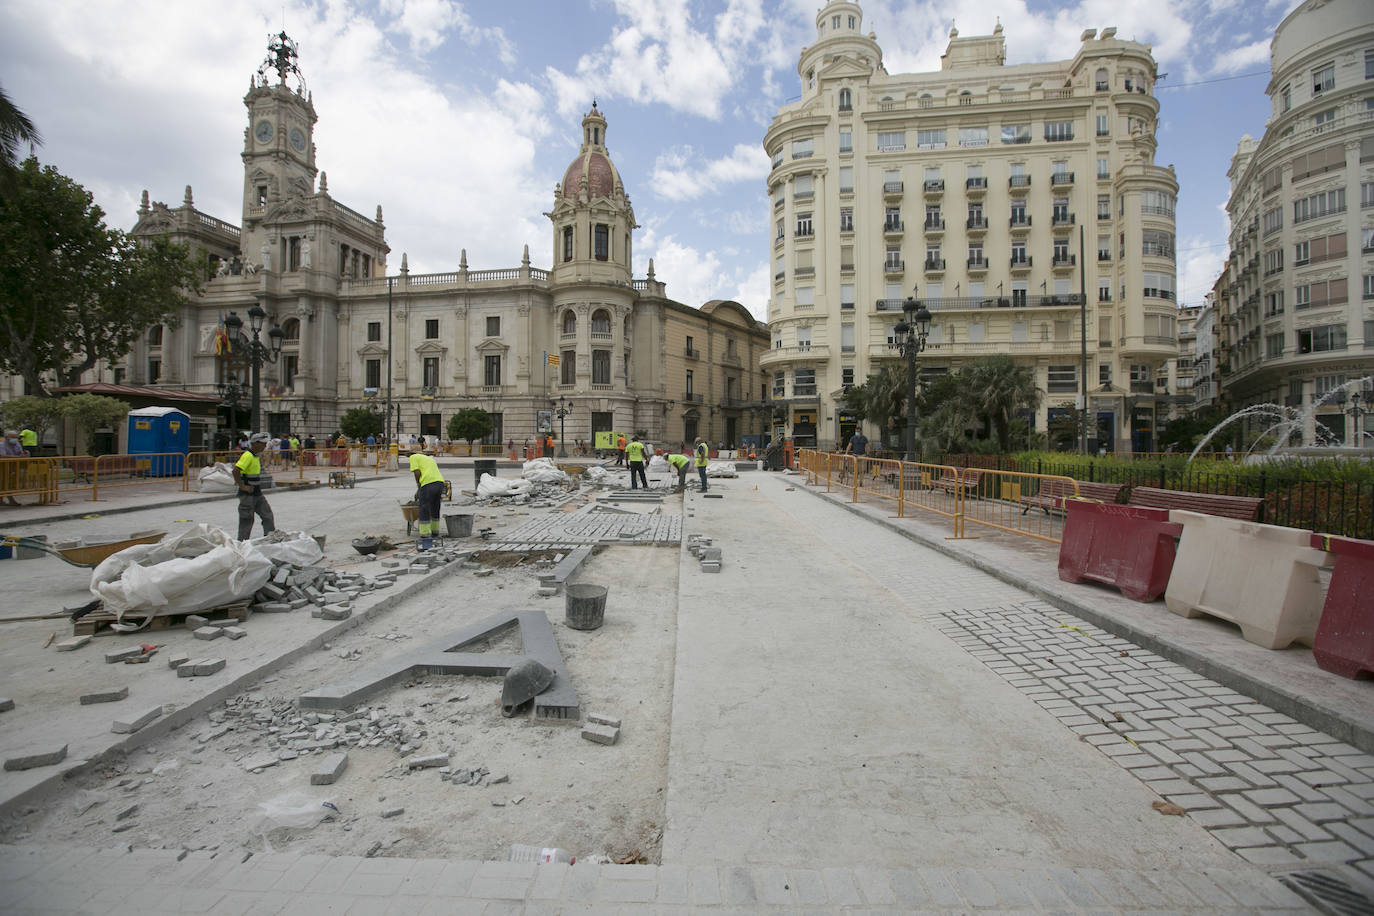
(29, 553)
(585, 606)
(459, 526)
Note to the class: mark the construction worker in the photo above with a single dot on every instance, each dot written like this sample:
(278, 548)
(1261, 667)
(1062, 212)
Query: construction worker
(429, 492)
(703, 455)
(680, 463)
(634, 453)
(620, 449)
(247, 479)
(29, 439)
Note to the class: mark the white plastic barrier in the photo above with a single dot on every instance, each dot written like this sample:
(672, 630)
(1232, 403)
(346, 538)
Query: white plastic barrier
(1263, 578)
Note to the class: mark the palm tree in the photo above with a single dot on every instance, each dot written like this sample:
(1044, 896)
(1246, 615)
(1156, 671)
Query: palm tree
(997, 388)
(15, 129)
(880, 399)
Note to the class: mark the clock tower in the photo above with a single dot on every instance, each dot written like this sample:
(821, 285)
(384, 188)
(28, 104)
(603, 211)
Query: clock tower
(278, 145)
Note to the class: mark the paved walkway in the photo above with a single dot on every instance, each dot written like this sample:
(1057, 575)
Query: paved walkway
(861, 722)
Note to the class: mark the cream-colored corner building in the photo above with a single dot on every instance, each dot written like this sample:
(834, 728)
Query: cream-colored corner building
(520, 343)
(992, 193)
(1296, 313)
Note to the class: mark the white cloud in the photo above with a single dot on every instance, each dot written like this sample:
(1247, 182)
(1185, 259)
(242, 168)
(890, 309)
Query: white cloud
(753, 291)
(695, 277)
(428, 23)
(1243, 58)
(679, 175)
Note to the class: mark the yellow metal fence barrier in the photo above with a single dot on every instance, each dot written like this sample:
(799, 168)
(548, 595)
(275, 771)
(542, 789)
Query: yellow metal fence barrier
(1002, 500)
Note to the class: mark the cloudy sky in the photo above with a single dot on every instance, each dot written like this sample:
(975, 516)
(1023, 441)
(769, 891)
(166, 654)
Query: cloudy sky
(459, 117)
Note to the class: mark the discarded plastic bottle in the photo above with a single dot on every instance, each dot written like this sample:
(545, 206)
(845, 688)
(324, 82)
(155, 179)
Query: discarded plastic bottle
(521, 852)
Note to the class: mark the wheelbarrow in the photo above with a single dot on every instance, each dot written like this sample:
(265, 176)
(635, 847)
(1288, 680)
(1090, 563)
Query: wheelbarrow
(83, 553)
(411, 511)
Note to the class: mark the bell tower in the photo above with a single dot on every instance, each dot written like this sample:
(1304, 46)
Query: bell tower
(278, 144)
(592, 217)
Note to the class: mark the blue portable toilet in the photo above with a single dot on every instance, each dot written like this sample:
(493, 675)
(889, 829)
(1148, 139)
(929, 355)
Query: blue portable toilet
(158, 432)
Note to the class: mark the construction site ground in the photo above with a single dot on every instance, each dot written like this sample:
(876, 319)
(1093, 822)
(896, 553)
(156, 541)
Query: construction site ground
(853, 713)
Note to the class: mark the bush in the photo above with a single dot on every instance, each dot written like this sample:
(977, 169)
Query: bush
(359, 423)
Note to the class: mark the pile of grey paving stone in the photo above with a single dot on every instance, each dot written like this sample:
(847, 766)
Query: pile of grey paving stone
(332, 592)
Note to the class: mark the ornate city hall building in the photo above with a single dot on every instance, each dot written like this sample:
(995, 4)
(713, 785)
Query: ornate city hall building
(520, 343)
(1021, 204)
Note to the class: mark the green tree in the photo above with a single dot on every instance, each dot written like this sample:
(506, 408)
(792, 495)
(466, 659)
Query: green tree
(15, 129)
(1065, 428)
(29, 412)
(91, 413)
(359, 423)
(470, 423)
(881, 400)
(73, 291)
(997, 388)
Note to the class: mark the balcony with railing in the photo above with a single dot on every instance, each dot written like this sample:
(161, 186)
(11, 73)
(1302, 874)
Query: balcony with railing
(894, 266)
(1061, 179)
(934, 186)
(976, 224)
(1141, 387)
(1062, 220)
(803, 271)
(691, 353)
(1020, 224)
(1019, 183)
(892, 228)
(977, 265)
(975, 185)
(1021, 265)
(974, 303)
(935, 265)
(1064, 261)
(892, 188)
(933, 226)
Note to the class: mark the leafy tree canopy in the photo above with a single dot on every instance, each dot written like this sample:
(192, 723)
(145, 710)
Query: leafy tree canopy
(73, 291)
(29, 412)
(470, 423)
(91, 413)
(359, 423)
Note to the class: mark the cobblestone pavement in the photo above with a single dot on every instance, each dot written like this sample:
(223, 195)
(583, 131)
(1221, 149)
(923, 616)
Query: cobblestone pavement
(591, 526)
(38, 880)
(1276, 792)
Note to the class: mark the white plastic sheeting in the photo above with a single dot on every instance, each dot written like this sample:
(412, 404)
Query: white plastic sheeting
(721, 469)
(657, 465)
(595, 474)
(543, 470)
(200, 568)
(490, 486)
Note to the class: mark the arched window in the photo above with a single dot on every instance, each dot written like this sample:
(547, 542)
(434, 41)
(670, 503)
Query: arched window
(292, 330)
(569, 323)
(601, 323)
(846, 100)
(155, 336)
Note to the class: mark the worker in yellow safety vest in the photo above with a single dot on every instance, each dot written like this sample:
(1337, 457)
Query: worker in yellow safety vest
(429, 492)
(248, 481)
(679, 462)
(634, 454)
(703, 454)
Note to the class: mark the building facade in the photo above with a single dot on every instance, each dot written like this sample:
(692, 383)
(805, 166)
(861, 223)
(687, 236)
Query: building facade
(1296, 320)
(520, 343)
(1021, 204)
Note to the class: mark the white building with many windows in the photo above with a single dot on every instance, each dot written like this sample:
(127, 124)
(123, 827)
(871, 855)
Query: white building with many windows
(998, 195)
(1296, 319)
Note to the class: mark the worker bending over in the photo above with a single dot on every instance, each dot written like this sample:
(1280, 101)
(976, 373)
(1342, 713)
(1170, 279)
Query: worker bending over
(680, 463)
(429, 492)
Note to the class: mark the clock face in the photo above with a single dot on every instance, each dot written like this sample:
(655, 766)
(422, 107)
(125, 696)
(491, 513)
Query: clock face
(264, 131)
(298, 139)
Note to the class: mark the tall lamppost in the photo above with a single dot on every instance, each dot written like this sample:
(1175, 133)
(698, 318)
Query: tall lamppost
(1356, 413)
(912, 332)
(562, 411)
(258, 353)
(231, 394)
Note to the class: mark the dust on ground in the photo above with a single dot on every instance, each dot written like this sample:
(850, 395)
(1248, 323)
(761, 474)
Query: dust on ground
(192, 789)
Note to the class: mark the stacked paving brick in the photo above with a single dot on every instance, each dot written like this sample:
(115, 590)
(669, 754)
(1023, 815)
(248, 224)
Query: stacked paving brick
(588, 526)
(700, 547)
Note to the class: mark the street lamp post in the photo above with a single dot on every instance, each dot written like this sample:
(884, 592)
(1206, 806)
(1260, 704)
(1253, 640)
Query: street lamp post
(1356, 413)
(912, 332)
(258, 352)
(561, 412)
(231, 394)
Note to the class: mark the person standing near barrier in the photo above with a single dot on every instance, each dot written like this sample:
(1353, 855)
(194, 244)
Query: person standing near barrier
(11, 448)
(29, 440)
(679, 462)
(620, 450)
(634, 454)
(247, 480)
(703, 457)
(429, 491)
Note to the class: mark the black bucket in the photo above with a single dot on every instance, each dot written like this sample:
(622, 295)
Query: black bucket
(585, 606)
(459, 526)
(481, 467)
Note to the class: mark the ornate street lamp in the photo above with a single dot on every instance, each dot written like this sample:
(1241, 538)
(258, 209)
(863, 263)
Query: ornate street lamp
(912, 332)
(257, 352)
(562, 411)
(1356, 413)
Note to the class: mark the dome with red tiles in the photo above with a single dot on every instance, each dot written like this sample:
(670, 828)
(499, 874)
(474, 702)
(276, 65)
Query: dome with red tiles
(592, 162)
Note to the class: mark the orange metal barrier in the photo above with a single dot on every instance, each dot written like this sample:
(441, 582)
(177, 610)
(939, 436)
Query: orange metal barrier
(992, 499)
(30, 477)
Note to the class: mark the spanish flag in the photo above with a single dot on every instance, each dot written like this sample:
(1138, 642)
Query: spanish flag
(551, 358)
(223, 345)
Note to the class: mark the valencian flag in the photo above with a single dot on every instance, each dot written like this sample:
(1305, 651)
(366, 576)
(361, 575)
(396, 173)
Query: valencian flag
(223, 345)
(552, 358)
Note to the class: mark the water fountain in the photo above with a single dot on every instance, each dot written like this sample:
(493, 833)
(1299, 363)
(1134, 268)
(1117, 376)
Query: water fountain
(1287, 420)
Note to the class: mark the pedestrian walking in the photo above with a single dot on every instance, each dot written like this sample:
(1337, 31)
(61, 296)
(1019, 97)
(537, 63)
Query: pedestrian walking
(429, 491)
(679, 462)
(248, 481)
(703, 454)
(634, 453)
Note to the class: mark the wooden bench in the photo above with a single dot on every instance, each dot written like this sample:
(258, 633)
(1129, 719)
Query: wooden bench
(1245, 508)
(1053, 493)
(950, 484)
(84, 468)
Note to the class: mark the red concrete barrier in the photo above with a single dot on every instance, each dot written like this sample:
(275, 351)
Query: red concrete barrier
(1128, 547)
(1345, 634)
